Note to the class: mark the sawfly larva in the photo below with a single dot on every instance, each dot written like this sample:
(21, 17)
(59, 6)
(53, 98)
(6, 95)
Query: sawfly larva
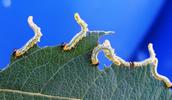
(108, 51)
(79, 35)
(32, 41)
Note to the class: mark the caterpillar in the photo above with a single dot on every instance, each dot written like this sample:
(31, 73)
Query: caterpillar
(32, 41)
(110, 54)
(108, 51)
(79, 35)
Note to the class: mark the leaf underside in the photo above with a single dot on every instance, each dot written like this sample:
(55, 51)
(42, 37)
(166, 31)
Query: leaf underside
(53, 74)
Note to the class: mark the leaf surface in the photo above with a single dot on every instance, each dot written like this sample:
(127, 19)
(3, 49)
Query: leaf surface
(50, 73)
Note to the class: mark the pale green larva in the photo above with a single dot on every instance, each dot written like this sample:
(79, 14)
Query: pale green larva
(108, 51)
(79, 35)
(32, 41)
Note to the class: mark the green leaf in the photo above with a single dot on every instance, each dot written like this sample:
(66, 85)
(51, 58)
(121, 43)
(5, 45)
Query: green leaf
(53, 74)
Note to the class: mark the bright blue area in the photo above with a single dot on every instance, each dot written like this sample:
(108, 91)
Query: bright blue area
(131, 20)
(160, 35)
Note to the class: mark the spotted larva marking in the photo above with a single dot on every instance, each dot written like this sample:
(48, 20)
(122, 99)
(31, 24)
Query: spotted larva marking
(32, 41)
(79, 35)
(108, 51)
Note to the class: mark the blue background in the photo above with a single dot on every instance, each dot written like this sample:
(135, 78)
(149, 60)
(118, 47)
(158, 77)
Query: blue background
(136, 23)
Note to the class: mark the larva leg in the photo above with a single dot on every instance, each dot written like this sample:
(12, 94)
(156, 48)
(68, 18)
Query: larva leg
(32, 41)
(108, 51)
(79, 35)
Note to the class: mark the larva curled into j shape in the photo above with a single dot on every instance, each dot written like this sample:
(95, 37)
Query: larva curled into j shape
(108, 51)
(32, 41)
(79, 35)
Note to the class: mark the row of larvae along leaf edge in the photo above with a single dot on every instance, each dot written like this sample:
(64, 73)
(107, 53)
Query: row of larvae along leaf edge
(105, 47)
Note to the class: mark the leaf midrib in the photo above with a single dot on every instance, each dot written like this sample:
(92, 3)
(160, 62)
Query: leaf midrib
(36, 94)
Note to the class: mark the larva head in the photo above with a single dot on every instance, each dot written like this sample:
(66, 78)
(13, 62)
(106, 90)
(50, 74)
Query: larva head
(65, 47)
(94, 61)
(16, 53)
(96, 64)
(169, 85)
(62, 44)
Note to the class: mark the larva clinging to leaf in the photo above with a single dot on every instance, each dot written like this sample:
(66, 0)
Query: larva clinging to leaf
(108, 51)
(141, 63)
(79, 35)
(32, 41)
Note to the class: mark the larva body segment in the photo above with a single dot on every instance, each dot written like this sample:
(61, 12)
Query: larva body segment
(79, 35)
(110, 52)
(94, 57)
(160, 77)
(32, 41)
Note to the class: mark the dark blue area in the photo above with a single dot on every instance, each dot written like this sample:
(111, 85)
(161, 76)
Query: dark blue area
(135, 22)
(160, 34)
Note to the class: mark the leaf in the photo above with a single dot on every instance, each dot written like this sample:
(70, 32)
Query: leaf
(53, 74)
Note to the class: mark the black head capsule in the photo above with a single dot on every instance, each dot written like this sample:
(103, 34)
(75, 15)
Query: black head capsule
(62, 45)
(167, 87)
(131, 64)
(14, 52)
(96, 64)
